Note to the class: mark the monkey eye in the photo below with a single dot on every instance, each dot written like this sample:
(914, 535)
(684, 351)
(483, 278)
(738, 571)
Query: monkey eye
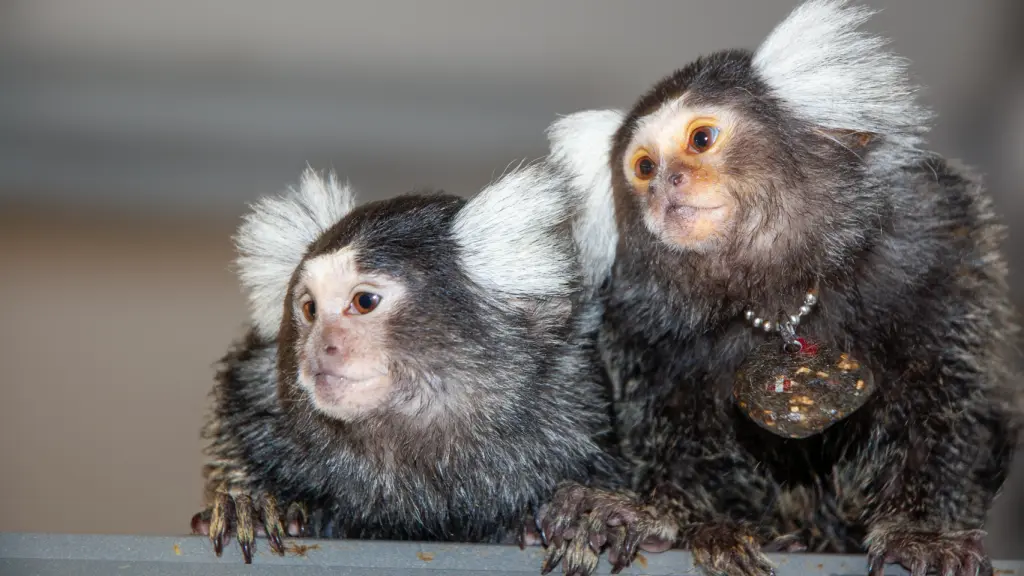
(364, 302)
(309, 311)
(644, 168)
(703, 138)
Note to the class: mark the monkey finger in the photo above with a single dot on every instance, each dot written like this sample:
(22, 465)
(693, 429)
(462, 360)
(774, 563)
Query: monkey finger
(201, 523)
(540, 530)
(579, 559)
(552, 558)
(272, 525)
(785, 543)
(876, 565)
(630, 539)
(758, 563)
(296, 519)
(919, 567)
(617, 555)
(521, 536)
(950, 566)
(244, 525)
(655, 544)
(970, 566)
(528, 534)
(221, 518)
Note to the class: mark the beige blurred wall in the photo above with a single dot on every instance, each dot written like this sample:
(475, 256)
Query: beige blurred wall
(109, 331)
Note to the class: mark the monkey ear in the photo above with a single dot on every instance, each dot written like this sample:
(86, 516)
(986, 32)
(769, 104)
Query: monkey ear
(826, 71)
(514, 238)
(275, 235)
(850, 139)
(581, 145)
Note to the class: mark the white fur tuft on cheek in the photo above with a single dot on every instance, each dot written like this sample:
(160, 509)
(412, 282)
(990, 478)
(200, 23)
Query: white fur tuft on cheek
(509, 238)
(581, 144)
(275, 235)
(831, 74)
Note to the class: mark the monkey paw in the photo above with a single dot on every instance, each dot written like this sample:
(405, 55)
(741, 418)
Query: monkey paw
(947, 554)
(580, 522)
(728, 549)
(245, 517)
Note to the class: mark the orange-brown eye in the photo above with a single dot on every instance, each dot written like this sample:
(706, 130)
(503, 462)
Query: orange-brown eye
(309, 310)
(365, 302)
(703, 138)
(644, 168)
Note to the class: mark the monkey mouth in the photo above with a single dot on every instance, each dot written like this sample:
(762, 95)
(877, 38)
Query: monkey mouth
(347, 397)
(329, 381)
(687, 214)
(687, 210)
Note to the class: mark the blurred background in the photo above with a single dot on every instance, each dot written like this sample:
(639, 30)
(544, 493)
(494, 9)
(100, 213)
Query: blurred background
(134, 132)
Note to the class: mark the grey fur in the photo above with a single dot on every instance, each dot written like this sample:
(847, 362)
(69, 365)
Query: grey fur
(522, 350)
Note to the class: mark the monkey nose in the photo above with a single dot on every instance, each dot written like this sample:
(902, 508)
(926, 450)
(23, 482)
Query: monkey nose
(331, 350)
(676, 179)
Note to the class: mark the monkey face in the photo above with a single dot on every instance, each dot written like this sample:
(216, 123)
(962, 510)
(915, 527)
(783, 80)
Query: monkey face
(341, 316)
(675, 165)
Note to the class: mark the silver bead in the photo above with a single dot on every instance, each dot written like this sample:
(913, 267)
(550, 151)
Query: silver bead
(805, 310)
(811, 299)
(768, 326)
(794, 320)
(749, 315)
(758, 322)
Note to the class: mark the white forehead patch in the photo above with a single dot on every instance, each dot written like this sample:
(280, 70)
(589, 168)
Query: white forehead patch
(662, 129)
(330, 278)
(334, 278)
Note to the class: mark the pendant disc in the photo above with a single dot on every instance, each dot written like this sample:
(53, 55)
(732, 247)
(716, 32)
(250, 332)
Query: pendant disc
(796, 395)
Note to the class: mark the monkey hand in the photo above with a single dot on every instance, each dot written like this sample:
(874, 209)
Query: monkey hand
(958, 553)
(580, 522)
(726, 548)
(247, 517)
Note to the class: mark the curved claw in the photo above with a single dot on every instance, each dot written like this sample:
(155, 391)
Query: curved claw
(220, 517)
(618, 549)
(949, 554)
(580, 559)
(244, 529)
(580, 522)
(272, 524)
(730, 549)
(552, 559)
(244, 517)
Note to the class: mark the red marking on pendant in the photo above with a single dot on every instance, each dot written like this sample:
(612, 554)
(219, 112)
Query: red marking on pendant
(781, 384)
(807, 348)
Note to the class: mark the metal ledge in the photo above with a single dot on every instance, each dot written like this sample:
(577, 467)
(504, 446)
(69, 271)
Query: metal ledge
(94, 555)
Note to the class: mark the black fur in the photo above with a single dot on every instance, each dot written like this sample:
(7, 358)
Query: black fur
(904, 247)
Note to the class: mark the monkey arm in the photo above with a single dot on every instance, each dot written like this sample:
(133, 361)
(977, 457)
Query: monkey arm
(949, 447)
(940, 453)
(242, 414)
(694, 486)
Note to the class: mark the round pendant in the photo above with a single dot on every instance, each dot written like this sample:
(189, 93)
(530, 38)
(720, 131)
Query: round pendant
(800, 393)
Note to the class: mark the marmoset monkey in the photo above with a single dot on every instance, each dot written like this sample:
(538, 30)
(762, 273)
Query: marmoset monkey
(419, 368)
(774, 209)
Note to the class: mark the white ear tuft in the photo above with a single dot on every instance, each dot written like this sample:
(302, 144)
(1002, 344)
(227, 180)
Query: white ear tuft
(274, 237)
(581, 144)
(510, 238)
(828, 72)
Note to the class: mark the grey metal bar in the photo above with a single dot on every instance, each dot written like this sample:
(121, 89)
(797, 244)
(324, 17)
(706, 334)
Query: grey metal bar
(96, 555)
